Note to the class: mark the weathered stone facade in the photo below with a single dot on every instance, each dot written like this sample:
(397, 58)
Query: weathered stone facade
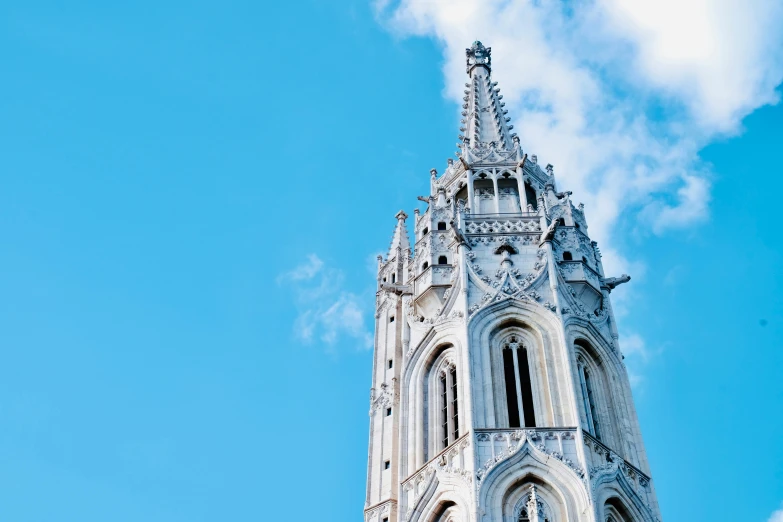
(499, 389)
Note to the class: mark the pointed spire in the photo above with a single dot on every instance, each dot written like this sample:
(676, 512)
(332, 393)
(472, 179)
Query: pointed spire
(532, 505)
(484, 119)
(400, 238)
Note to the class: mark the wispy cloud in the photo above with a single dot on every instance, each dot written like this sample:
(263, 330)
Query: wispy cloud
(327, 312)
(637, 354)
(777, 516)
(620, 95)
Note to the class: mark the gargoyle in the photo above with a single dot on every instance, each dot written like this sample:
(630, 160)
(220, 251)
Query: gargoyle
(459, 236)
(549, 233)
(612, 282)
(422, 198)
(561, 195)
(396, 289)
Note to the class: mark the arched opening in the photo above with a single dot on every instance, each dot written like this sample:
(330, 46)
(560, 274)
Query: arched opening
(519, 389)
(446, 512)
(425, 265)
(425, 231)
(394, 278)
(484, 195)
(443, 260)
(615, 511)
(441, 416)
(508, 194)
(597, 401)
(441, 225)
(567, 256)
(506, 248)
(561, 222)
(532, 503)
(462, 196)
(530, 196)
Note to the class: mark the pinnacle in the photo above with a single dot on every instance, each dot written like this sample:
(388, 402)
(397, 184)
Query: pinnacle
(400, 238)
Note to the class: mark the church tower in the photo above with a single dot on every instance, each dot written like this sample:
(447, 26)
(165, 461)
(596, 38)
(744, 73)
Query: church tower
(499, 391)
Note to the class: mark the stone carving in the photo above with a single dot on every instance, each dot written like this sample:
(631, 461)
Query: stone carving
(385, 397)
(612, 282)
(516, 441)
(503, 226)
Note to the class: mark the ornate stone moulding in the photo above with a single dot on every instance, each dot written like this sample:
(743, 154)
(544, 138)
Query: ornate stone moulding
(505, 443)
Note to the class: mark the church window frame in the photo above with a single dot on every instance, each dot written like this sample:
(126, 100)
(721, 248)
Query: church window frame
(531, 196)
(598, 381)
(443, 398)
(589, 398)
(524, 506)
(518, 384)
(528, 338)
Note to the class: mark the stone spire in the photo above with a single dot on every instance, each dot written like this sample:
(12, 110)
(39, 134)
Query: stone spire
(484, 120)
(400, 238)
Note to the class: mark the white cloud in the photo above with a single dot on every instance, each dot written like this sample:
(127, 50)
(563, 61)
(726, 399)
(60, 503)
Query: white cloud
(619, 94)
(304, 272)
(328, 313)
(636, 356)
(777, 516)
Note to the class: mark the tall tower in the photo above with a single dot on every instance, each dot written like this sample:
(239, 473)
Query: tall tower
(499, 390)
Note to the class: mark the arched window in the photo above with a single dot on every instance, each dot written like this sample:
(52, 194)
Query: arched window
(561, 222)
(615, 511)
(425, 265)
(448, 411)
(530, 195)
(424, 232)
(533, 509)
(443, 260)
(588, 398)
(567, 256)
(519, 390)
(441, 225)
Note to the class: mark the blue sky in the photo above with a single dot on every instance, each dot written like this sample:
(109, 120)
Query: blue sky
(192, 196)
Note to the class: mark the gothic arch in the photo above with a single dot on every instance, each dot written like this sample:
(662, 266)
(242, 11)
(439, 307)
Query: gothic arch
(504, 485)
(593, 375)
(613, 489)
(554, 406)
(438, 504)
(618, 411)
(508, 334)
(416, 381)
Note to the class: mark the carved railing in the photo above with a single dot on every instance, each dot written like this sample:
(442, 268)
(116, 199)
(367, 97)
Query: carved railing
(454, 460)
(434, 275)
(600, 456)
(602, 461)
(503, 215)
(502, 224)
(576, 270)
(496, 445)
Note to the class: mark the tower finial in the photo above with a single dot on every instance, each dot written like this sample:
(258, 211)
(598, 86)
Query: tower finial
(477, 54)
(400, 237)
